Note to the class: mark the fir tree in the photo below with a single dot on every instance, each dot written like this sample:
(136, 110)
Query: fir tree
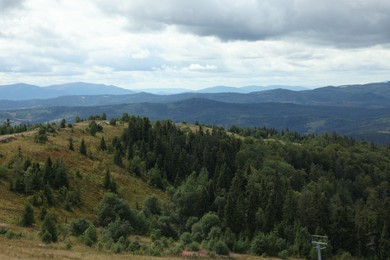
(49, 231)
(103, 145)
(27, 216)
(83, 147)
(71, 144)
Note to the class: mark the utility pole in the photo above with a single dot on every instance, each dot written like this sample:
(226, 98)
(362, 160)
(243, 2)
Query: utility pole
(319, 242)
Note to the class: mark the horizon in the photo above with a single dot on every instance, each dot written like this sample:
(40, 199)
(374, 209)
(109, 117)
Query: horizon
(155, 89)
(175, 44)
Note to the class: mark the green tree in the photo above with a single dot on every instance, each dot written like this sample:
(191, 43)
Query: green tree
(41, 136)
(27, 216)
(102, 145)
(49, 232)
(111, 207)
(63, 123)
(83, 147)
(118, 158)
(104, 116)
(70, 145)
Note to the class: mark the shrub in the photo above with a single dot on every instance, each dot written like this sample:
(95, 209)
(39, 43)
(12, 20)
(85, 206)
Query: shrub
(79, 226)
(90, 236)
(46, 237)
(221, 248)
(194, 246)
(186, 238)
(117, 229)
(112, 207)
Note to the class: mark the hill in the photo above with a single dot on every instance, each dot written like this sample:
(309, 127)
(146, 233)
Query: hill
(23, 92)
(368, 123)
(246, 190)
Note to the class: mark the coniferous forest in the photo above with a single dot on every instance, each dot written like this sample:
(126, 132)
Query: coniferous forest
(244, 190)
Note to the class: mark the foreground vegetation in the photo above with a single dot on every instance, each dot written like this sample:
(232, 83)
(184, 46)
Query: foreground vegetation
(161, 189)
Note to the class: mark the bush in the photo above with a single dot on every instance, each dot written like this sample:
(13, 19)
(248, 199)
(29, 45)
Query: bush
(259, 244)
(186, 238)
(284, 254)
(152, 206)
(111, 207)
(117, 229)
(11, 234)
(134, 246)
(79, 226)
(46, 237)
(221, 248)
(3, 172)
(90, 236)
(194, 246)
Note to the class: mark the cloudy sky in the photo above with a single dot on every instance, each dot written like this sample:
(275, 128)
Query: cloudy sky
(194, 44)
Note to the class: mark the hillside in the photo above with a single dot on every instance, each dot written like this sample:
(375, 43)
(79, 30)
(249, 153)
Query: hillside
(159, 188)
(371, 124)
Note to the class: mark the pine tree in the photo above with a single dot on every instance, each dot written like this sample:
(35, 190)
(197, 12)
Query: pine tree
(27, 216)
(49, 231)
(118, 158)
(104, 116)
(83, 147)
(63, 123)
(71, 144)
(107, 180)
(103, 145)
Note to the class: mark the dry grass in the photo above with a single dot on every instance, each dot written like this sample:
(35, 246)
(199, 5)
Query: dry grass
(91, 167)
(25, 248)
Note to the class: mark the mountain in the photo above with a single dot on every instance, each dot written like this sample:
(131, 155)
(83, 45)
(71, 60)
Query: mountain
(28, 92)
(23, 91)
(248, 89)
(375, 95)
(81, 88)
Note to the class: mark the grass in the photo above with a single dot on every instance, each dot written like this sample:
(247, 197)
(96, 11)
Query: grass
(92, 168)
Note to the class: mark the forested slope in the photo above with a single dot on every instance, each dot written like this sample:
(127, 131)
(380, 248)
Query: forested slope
(254, 191)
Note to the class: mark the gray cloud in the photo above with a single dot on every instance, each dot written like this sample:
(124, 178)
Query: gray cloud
(6, 5)
(338, 22)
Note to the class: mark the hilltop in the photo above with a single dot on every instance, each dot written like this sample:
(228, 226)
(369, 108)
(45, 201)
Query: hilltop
(156, 188)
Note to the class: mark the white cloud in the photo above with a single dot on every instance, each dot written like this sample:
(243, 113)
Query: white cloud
(194, 44)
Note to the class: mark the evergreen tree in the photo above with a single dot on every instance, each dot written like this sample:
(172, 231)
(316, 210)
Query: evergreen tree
(70, 145)
(83, 147)
(104, 116)
(102, 145)
(118, 158)
(107, 180)
(27, 216)
(63, 123)
(49, 231)
(41, 136)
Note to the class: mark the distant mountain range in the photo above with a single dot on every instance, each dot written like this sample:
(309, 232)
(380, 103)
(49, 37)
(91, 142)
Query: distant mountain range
(23, 91)
(375, 95)
(362, 111)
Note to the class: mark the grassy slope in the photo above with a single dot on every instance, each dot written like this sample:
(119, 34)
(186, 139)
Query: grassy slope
(92, 169)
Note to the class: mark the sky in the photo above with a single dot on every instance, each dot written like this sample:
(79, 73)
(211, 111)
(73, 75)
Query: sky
(140, 44)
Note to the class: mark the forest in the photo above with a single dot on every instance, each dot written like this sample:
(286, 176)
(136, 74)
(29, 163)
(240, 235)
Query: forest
(244, 190)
